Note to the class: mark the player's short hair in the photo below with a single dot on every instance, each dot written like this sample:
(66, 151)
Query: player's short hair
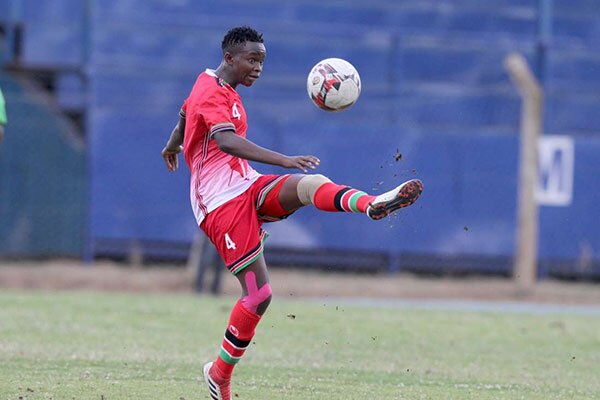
(240, 35)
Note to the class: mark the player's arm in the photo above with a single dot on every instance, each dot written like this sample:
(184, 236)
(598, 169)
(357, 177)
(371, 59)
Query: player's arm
(174, 145)
(241, 147)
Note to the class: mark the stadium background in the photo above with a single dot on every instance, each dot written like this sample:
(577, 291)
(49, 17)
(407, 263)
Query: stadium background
(94, 87)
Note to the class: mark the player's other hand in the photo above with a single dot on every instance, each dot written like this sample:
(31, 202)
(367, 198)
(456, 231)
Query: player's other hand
(170, 157)
(303, 163)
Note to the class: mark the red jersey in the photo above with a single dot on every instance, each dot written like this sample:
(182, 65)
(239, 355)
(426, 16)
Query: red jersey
(216, 177)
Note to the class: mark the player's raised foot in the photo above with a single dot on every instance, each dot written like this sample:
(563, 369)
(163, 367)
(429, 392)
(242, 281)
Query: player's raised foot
(219, 388)
(400, 197)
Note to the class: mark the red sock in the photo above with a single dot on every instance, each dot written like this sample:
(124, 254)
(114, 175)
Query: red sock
(333, 197)
(238, 335)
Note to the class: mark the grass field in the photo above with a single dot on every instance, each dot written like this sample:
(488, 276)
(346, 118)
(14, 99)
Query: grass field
(80, 345)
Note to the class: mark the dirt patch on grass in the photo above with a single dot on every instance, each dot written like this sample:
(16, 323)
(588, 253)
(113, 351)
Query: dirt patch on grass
(106, 276)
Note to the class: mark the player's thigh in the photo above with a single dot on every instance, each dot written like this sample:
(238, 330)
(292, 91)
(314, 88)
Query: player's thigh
(288, 196)
(235, 231)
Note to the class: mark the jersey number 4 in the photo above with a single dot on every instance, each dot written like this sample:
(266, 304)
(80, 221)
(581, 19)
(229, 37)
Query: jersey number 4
(235, 112)
(230, 244)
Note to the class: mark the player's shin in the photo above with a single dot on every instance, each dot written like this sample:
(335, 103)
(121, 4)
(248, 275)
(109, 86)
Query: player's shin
(243, 320)
(238, 335)
(328, 196)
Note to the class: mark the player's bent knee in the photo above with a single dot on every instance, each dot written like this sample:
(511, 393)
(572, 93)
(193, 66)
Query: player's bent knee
(262, 307)
(260, 304)
(257, 300)
(307, 187)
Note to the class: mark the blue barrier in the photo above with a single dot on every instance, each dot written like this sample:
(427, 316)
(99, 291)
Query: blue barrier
(434, 88)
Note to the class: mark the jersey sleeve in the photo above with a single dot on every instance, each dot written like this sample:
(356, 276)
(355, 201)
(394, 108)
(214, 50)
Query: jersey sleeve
(183, 110)
(216, 113)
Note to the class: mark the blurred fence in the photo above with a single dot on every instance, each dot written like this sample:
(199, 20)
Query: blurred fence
(434, 91)
(42, 178)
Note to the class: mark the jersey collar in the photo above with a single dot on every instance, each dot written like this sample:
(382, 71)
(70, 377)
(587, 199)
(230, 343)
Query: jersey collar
(220, 82)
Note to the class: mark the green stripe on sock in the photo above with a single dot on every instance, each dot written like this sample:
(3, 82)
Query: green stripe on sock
(227, 358)
(353, 200)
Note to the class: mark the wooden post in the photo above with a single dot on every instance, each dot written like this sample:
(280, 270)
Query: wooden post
(525, 263)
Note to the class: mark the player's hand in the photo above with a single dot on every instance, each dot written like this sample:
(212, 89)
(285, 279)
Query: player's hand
(170, 157)
(303, 163)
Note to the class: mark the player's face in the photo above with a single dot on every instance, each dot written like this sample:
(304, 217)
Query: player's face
(248, 62)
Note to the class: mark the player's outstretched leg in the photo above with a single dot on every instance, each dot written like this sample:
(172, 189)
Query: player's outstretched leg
(325, 195)
(245, 316)
(401, 196)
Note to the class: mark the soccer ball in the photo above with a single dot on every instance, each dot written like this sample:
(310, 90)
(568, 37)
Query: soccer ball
(333, 84)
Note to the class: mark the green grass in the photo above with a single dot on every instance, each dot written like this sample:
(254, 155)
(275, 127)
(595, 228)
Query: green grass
(83, 345)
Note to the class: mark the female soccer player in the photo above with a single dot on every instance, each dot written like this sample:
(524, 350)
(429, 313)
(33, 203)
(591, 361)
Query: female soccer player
(231, 200)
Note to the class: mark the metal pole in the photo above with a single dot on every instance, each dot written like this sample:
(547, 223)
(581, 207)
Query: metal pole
(525, 267)
(86, 43)
(544, 34)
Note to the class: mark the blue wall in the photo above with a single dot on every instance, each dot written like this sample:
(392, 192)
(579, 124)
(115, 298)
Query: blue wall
(434, 88)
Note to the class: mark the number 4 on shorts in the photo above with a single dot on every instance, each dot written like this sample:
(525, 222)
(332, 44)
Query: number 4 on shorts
(228, 242)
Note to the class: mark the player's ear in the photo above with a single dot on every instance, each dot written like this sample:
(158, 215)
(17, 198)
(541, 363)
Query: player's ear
(228, 57)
